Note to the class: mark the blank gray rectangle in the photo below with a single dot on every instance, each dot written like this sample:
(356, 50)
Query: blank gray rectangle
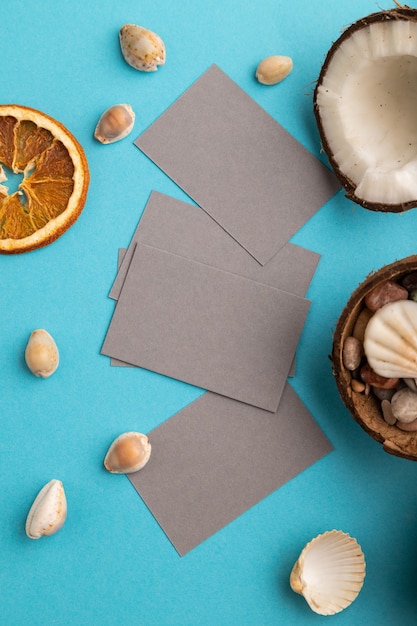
(213, 329)
(236, 162)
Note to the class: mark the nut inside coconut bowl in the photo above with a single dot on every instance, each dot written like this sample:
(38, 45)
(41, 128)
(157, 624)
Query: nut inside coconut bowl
(365, 103)
(374, 356)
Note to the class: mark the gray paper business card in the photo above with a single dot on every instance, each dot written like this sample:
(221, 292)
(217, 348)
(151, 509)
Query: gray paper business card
(207, 327)
(216, 458)
(236, 162)
(185, 229)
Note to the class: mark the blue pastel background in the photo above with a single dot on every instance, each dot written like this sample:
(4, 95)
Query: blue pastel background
(111, 563)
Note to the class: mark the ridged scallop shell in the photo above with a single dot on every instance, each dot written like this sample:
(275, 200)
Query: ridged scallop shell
(329, 572)
(390, 342)
(48, 511)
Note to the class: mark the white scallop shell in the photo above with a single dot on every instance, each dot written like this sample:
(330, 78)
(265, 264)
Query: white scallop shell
(48, 511)
(390, 342)
(329, 572)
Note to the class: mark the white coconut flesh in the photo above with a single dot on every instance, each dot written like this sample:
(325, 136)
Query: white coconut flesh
(367, 103)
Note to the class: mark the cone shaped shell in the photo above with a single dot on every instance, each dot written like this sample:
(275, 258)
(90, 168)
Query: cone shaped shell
(329, 572)
(48, 511)
(391, 340)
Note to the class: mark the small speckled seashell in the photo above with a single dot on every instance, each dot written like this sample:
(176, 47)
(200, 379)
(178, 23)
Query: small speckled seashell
(48, 512)
(41, 354)
(128, 453)
(329, 572)
(390, 342)
(115, 123)
(141, 48)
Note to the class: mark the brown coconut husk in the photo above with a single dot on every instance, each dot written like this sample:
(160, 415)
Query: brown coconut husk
(365, 409)
(399, 13)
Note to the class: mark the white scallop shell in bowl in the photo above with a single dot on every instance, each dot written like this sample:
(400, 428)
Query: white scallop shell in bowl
(329, 572)
(390, 342)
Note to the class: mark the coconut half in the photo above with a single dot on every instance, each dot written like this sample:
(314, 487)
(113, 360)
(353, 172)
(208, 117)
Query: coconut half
(365, 103)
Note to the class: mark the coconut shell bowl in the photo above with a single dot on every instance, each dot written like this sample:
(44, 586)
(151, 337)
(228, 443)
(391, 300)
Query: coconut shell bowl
(376, 380)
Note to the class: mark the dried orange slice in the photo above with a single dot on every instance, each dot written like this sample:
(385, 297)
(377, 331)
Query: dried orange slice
(55, 180)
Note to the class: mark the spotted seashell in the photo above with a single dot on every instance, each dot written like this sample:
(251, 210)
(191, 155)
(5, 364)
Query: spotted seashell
(141, 48)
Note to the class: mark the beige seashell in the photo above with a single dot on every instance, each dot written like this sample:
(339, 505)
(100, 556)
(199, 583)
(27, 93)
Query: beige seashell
(329, 572)
(48, 512)
(273, 69)
(141, 48)
(115, 123)
(128, 453)
(41, 354)
(390, 342)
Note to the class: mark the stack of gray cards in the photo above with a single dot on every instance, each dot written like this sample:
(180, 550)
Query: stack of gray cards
(213, 294)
